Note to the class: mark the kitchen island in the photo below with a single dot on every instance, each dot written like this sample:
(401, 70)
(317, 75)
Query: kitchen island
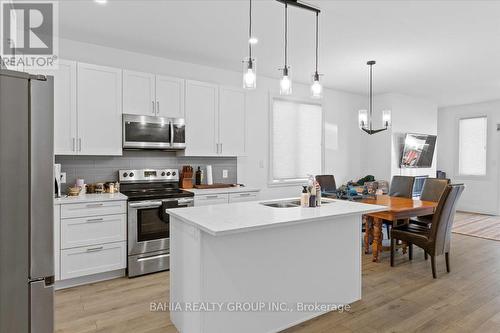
(263, 266)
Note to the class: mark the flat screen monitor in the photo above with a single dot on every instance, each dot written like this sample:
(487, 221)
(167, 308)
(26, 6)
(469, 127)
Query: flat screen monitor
(418, 150)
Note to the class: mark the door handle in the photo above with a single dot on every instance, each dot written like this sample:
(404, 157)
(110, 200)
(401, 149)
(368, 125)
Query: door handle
(152, 204)
(95, 249)
(95, 220)
(154, 257)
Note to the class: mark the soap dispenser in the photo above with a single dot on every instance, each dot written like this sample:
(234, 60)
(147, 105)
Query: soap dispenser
(304, 197)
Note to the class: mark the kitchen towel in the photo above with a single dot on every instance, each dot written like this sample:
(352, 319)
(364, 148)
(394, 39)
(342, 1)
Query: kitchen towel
(210, 180)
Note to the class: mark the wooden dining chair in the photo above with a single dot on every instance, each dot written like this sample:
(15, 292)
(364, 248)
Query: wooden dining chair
(436, 240)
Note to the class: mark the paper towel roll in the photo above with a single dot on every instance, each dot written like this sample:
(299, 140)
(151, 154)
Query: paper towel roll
(210, 180)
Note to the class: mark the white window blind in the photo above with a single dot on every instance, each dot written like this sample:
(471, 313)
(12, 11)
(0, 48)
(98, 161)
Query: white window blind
(472, 139)
(296, 140)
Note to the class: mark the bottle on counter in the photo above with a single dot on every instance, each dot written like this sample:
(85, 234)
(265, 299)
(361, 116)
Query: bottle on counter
(312, 197)
(304, 197)
(198, 176)
(318, 194)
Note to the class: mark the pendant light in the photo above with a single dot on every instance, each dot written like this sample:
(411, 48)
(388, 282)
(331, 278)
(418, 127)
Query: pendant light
(316, 88)
(249, 64)
(286, 82)
(365, 118)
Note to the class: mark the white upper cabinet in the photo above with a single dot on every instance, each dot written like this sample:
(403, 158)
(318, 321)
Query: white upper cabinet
(232, 121)
(152, 95)
(65, 131)
(99, 110)
(202, 103)
(139, 93)
(169, 97)
(215, 120)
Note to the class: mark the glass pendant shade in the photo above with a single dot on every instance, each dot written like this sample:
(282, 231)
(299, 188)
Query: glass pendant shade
(285, 83)
(386, 118)
(249, 73)
(363, 118)
(316, 88)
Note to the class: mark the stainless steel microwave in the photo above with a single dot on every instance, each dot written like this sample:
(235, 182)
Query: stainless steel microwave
(146, 132)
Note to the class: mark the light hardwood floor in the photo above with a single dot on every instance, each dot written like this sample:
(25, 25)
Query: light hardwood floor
(400, 299)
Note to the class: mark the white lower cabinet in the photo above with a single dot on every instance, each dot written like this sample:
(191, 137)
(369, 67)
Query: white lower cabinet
(224, 198)
(90, 238)
(93, 259)
(242, 197)
(211, 199)
(86, 231)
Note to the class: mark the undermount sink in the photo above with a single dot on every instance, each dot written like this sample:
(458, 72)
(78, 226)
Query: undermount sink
(288, 203)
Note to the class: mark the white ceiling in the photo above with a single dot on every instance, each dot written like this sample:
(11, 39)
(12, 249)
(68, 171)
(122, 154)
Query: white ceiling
(445, 51)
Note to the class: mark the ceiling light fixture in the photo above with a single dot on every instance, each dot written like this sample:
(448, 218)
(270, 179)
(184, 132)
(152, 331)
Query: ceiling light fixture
(249, 64)
(286, 82)
(365, 118)
(316, 88)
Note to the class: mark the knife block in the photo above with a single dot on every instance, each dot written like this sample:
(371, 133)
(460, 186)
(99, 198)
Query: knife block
(187, 183)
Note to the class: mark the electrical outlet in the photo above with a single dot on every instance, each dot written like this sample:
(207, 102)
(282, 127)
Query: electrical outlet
(225, 173)
(63, 177)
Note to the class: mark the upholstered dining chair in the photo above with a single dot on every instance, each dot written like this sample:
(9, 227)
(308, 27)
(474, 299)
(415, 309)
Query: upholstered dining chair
(432, 190)
(401, 186)
(436, 240)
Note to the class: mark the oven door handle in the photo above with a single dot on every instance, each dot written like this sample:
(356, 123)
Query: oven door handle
(144, 205)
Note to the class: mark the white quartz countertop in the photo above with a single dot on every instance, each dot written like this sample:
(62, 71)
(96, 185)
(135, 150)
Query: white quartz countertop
(248, 216)
(240, 189)
(83, 198)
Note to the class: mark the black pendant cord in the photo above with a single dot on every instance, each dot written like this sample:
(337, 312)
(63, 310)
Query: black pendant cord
(286, 38)
(317, 33)
(371, 96)
(250, 32)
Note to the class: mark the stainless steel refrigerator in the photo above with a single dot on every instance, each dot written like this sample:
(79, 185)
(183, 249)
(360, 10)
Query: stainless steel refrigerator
(26, 203)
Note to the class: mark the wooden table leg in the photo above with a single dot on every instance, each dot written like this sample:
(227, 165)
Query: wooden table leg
(368, 232)
(377, 238)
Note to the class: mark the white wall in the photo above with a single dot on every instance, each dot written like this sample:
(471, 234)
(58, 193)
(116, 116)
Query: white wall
(342, 153)
(482, 193)
(381, 152)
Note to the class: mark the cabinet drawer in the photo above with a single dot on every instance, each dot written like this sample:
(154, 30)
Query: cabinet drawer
(86, 231)
(93, 259)
(211, 199)
(93, 209)
(243, 196)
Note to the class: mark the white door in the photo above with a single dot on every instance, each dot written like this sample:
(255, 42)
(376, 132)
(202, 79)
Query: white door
(139, 93)
(65, 134)
(232, 121)
(169, 97)
(99, 110)
(201, 118)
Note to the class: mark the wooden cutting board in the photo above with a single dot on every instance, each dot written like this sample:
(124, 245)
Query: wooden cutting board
(205, 186)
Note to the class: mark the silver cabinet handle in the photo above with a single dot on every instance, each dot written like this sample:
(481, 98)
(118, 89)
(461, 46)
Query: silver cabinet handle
(245, 194)
(79, 144)
(74, 144)
(95, 249)
(171, 133)
(221, 148)
(95, 220)
(157, 107)
(211, 197)
(153, 110)
(95, 205)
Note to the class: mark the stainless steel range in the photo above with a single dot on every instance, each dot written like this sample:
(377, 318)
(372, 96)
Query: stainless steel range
(150, 192)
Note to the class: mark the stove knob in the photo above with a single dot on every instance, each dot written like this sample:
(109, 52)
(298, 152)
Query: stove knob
(125, 174)
(173, 173)
(131, 174)
(163, 174)
(168, 173)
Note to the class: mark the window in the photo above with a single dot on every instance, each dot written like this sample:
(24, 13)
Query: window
(472, 136)
(296, 140)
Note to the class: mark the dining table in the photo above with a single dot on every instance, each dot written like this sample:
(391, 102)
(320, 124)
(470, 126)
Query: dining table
(399, 210)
